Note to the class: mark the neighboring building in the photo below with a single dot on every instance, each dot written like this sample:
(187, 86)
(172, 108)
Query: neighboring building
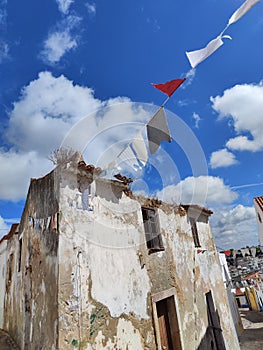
(245, 267)
(258, 203)
(96, 267)
(230, 295)
(3, 259)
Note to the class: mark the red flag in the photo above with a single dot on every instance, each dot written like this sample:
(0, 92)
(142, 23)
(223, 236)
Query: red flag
(169, 87)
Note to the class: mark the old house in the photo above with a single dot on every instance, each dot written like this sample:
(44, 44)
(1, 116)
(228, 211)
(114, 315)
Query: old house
(94, 266)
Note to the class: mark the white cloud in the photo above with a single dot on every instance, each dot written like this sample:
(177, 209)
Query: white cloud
(64, 5)
(16, 171)
(56, 45)
(190, 75)
(244, 104)
(222, 158)
(234, 227)
(91, 8)
(202, 190)
(4, 228)
(60, 40)
(52, 111)
(47, 109)
(197, 119)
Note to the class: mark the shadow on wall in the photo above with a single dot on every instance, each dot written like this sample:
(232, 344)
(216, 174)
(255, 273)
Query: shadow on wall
(208, 340)
(213, 338)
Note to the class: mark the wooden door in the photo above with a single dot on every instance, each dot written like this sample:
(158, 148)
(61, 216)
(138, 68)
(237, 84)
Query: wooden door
(164, 326)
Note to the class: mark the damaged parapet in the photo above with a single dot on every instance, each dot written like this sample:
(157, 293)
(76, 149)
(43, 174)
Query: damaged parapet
(102, 268)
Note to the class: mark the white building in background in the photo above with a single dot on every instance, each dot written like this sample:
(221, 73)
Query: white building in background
(4, 255)
(258, 203)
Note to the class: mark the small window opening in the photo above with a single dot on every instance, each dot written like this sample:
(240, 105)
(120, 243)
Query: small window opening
(259, 218)
(20, 255)
(10, 271)
(194, 232)
(152, 230)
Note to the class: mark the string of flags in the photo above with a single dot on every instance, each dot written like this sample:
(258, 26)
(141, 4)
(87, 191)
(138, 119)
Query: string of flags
(197, 56)
(135, 153)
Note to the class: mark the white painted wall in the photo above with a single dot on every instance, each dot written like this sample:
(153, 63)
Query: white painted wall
(259, 216)
(109, 272)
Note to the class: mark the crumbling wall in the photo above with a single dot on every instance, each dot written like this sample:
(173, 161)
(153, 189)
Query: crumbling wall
(107, 276)
(31, 298)
(103, 290)
(87, 279)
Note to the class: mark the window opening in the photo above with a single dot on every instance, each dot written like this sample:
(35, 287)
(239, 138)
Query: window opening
(152, 230)
(20, 255)
(194, 232)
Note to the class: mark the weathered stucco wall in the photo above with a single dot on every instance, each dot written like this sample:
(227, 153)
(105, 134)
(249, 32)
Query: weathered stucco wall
(259, 218)
(86, 278)
(107, 277)
(31, 298)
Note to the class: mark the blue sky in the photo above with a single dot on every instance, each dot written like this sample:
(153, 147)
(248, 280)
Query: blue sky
(61, 60)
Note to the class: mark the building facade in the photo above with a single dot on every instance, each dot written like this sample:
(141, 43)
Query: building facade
(94, 266)
(258, 204)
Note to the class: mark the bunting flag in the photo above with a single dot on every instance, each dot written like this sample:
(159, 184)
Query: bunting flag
(243, 9)
(197, 56)
(169, 87)
(140, 149)
(201, 251)
(157, 130)
(128, 156)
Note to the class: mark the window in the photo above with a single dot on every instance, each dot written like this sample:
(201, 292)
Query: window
(259, 218)
(152, 230)
(20, 255)
(194, 232)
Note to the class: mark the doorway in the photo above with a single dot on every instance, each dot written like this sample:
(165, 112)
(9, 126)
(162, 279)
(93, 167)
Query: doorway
(167, 327)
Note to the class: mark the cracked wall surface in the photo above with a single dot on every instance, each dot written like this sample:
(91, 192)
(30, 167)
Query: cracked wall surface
(87, 278)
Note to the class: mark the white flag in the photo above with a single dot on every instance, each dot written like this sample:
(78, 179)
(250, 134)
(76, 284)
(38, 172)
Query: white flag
(157, 130)
(197, 56)
(244, 8)
(128, 157)
(140, 148)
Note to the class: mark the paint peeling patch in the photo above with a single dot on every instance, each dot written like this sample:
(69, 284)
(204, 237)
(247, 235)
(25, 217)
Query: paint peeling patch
(120, 295)
(128, 337)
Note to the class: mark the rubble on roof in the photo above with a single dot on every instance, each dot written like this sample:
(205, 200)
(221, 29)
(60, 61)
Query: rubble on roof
(124, 179)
